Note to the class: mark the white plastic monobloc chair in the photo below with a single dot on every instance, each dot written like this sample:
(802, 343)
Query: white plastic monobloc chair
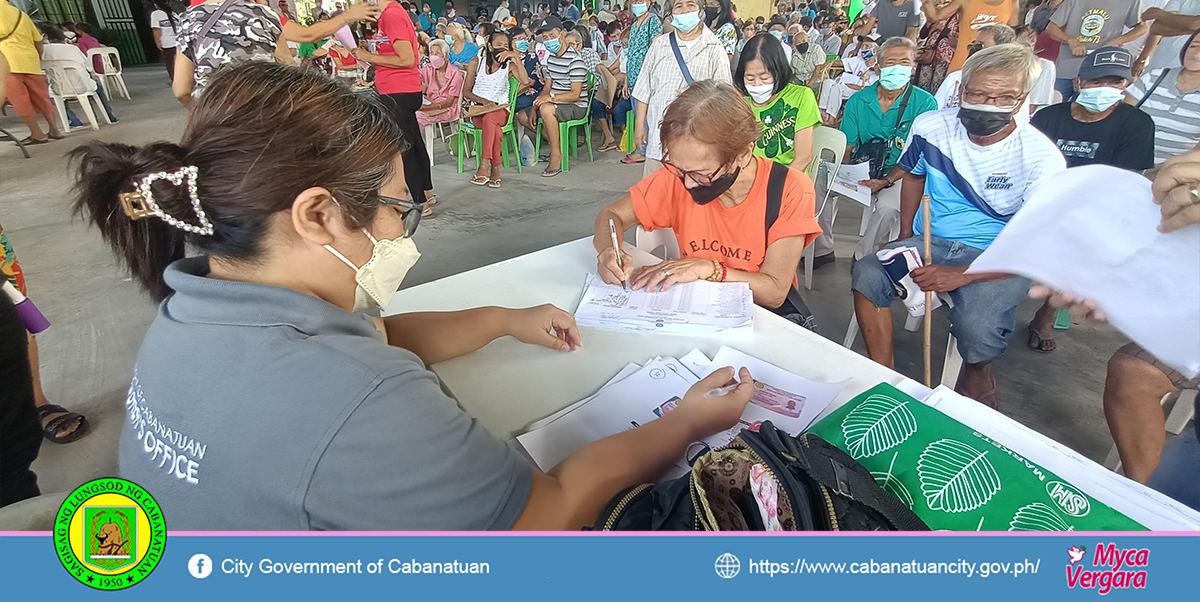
(651, 241)
(111, 59)
(953, 361)
(829, 146)
(63, 75)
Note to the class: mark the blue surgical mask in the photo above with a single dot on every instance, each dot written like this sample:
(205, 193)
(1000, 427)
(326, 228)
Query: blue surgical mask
(1098, 100)
(553, 45)
(685, 22)
(639, 9)
(522, 45)
(895, 77)
(449, 39)
(778, 35)
(867, 54)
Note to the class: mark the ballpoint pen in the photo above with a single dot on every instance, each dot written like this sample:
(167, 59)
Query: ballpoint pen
(612, 231)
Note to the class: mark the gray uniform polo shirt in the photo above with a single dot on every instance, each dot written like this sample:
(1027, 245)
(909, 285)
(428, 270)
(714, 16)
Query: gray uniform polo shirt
(255, 407)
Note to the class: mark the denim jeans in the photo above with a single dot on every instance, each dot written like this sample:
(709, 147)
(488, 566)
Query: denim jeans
(74, 121)
(1178, 475)
(984, 313)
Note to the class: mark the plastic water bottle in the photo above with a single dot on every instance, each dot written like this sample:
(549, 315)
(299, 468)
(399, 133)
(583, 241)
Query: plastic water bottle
(528, 154)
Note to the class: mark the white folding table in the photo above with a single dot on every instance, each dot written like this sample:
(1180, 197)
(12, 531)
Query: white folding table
(507, 384)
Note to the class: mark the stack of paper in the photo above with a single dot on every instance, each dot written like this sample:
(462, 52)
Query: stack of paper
(692, 308)
(846, 182)
(640, 394)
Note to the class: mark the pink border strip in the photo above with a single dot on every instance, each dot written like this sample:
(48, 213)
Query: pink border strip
(644, 534)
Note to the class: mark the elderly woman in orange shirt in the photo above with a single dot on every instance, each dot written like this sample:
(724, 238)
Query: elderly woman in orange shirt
(737, 217)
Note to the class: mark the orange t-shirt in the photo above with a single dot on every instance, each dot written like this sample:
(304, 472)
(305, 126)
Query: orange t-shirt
(734, 236)
(977, 14)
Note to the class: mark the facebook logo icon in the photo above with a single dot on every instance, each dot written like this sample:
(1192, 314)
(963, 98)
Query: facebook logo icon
(200, 566)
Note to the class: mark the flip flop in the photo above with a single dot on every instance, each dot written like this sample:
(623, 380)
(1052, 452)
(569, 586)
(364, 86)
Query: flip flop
(58, 137)
(30, 140)
(494, 183)
(50, 430)
(1040, 343)
(628, 162)
(479, 180)
(607, 147)
(550, 173)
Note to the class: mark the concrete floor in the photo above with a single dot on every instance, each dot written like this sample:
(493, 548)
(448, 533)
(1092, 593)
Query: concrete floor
(99, 315)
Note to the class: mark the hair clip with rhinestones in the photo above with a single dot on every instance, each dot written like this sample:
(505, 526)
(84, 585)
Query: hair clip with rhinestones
(140, 203)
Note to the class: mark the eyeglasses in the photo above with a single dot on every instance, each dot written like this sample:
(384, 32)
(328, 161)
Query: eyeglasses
(698, 177)
(976, 97)
(410, 213)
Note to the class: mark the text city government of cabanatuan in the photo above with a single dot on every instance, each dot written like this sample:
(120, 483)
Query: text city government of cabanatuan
(267, 566)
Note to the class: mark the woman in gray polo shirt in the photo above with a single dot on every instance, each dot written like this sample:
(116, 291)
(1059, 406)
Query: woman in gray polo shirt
(260, 399)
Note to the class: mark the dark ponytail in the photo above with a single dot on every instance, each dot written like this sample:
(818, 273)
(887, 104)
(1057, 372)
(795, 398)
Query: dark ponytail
(147, 245)
(259, 135)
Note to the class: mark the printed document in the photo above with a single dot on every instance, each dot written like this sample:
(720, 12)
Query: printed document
(699, 307)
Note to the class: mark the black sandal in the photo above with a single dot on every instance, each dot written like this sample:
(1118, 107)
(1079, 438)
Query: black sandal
(30, 140)
(50, 430)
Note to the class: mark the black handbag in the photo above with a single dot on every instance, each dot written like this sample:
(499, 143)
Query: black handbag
(877, 150)
(820, 488)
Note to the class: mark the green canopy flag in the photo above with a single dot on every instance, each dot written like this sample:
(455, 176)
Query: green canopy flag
(856, 7)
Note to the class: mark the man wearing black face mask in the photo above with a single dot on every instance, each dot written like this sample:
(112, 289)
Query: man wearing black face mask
(977, 163)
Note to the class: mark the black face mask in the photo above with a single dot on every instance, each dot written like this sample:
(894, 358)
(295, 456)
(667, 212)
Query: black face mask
(983, 123)
(704, 195)
(802, 48)
(974, 47)
(711, 12)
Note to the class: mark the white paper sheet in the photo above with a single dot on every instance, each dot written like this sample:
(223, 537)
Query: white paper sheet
(846, 182)
(1093, 231)
(693, 308)
(626, 404)
(1140, 503)
(698, 363)
(817, 395)
(629, 369)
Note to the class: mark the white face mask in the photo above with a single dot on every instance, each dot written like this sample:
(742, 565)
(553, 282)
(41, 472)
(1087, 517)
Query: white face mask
(380, 277)
(762, 93)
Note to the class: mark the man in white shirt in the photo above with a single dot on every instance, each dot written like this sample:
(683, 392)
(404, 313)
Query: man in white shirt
(501, 13)
(1042, 93)
(606, 15)
(860, 71)
(978, 165)
(162, 23)
(950, 93)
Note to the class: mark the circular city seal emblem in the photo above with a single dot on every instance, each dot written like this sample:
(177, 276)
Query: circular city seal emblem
(109, 534)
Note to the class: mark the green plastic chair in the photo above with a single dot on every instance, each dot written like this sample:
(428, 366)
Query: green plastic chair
(469, 129)
(568, 136)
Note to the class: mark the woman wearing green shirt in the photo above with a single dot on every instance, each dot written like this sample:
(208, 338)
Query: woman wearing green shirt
(788, 112)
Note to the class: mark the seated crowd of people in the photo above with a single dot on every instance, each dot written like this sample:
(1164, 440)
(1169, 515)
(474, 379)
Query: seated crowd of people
(724, 113)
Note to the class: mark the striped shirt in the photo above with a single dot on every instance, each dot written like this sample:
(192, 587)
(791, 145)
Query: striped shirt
(565, 70)
(661, 80)
(975, 190)
(1176, 114)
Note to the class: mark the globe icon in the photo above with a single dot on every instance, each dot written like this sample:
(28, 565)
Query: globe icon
(727, 566)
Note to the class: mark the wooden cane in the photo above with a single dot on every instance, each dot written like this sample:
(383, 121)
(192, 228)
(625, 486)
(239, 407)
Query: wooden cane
(928, 296)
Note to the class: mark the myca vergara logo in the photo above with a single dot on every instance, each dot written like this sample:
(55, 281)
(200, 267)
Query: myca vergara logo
(109, 534)
(1112, 568)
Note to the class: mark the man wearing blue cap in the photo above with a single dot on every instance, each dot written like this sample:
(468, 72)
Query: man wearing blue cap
(1097, 128)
